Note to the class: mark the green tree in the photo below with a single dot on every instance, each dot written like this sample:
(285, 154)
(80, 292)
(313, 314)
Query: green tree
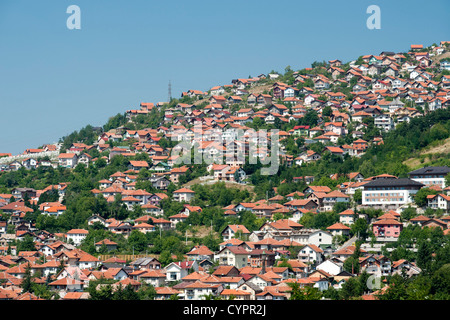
(408, 213)
(440, 283)
(126, 293)
(27, 281)
(420, 198)
(360, 228)
(137, 241)
(305, 293)
(349, 289)
(105, 291)
(396, 289)
(327, 111)
(424, 258)
(357, 196)
(27, 244)
(147, 292)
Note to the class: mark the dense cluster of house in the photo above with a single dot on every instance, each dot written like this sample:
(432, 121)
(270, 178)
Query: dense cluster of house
(247, 265)
(390, 87)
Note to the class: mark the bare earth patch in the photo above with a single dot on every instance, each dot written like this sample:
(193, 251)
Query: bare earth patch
(444, 148)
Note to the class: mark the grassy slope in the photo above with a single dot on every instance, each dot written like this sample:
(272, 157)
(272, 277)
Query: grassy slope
(427, 155)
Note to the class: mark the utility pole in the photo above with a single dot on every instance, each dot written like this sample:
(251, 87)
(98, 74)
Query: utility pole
(169, 92)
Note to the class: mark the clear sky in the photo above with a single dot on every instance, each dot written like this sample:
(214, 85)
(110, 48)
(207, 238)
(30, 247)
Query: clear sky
(54, 80)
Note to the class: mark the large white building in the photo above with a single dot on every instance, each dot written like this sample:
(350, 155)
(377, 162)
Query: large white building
(389, 192)
(430, 175)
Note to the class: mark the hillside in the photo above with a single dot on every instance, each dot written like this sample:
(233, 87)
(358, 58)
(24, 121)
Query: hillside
(349, 134)
(428, 155)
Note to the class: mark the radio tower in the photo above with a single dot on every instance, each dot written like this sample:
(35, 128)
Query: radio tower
(170, 92)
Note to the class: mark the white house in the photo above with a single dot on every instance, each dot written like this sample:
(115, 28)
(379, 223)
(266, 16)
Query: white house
(183, 194)
(444, 65)
(86, 261)
(198, 290)
(347, 217)
(310, 254)
(384, 122)
(331, 266)
(77, 235)
(154, 277)
(439, 201)
(289, 92)
(231, 230)
(175, 271)
(232, 256)
(68, 160)
(312, 236)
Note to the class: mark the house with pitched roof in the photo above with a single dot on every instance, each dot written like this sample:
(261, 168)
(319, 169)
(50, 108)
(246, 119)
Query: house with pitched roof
(183, 194)
(232, 256)
(310, 254)
(333, 197)
(76, 235)
(107, 244)
(339, 229)
(200, 253)
(68, 160)
(177, 270)
(235, 230)
(387, 228)
(439, 201)
(331, 266)
(343, 253)
(377, 265)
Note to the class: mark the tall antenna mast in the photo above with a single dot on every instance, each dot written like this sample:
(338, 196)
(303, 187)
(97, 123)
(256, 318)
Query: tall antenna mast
(170, 92)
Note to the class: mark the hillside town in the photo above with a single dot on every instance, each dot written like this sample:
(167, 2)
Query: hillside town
(129, 206)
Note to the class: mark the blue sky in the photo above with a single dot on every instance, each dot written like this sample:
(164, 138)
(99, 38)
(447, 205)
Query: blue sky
(54, 80)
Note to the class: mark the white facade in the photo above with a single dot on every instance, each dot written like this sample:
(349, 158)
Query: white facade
(387, 197)
(308, 254)
(76, 237)
(330, 267)
(384, 122)
(316, 237)
(183, 196)
(429, 181)
(439, 201)
(289, 93)
(346, 219)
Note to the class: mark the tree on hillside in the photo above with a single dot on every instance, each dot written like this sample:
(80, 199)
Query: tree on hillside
(305, 293)
(420, 198)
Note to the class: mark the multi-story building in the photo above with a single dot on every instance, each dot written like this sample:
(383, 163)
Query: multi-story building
(389, 192)
(439, 201)
(384, 122)
(430, 175)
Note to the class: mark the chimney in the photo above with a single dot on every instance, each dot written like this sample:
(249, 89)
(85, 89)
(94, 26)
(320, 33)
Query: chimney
(263, 262)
